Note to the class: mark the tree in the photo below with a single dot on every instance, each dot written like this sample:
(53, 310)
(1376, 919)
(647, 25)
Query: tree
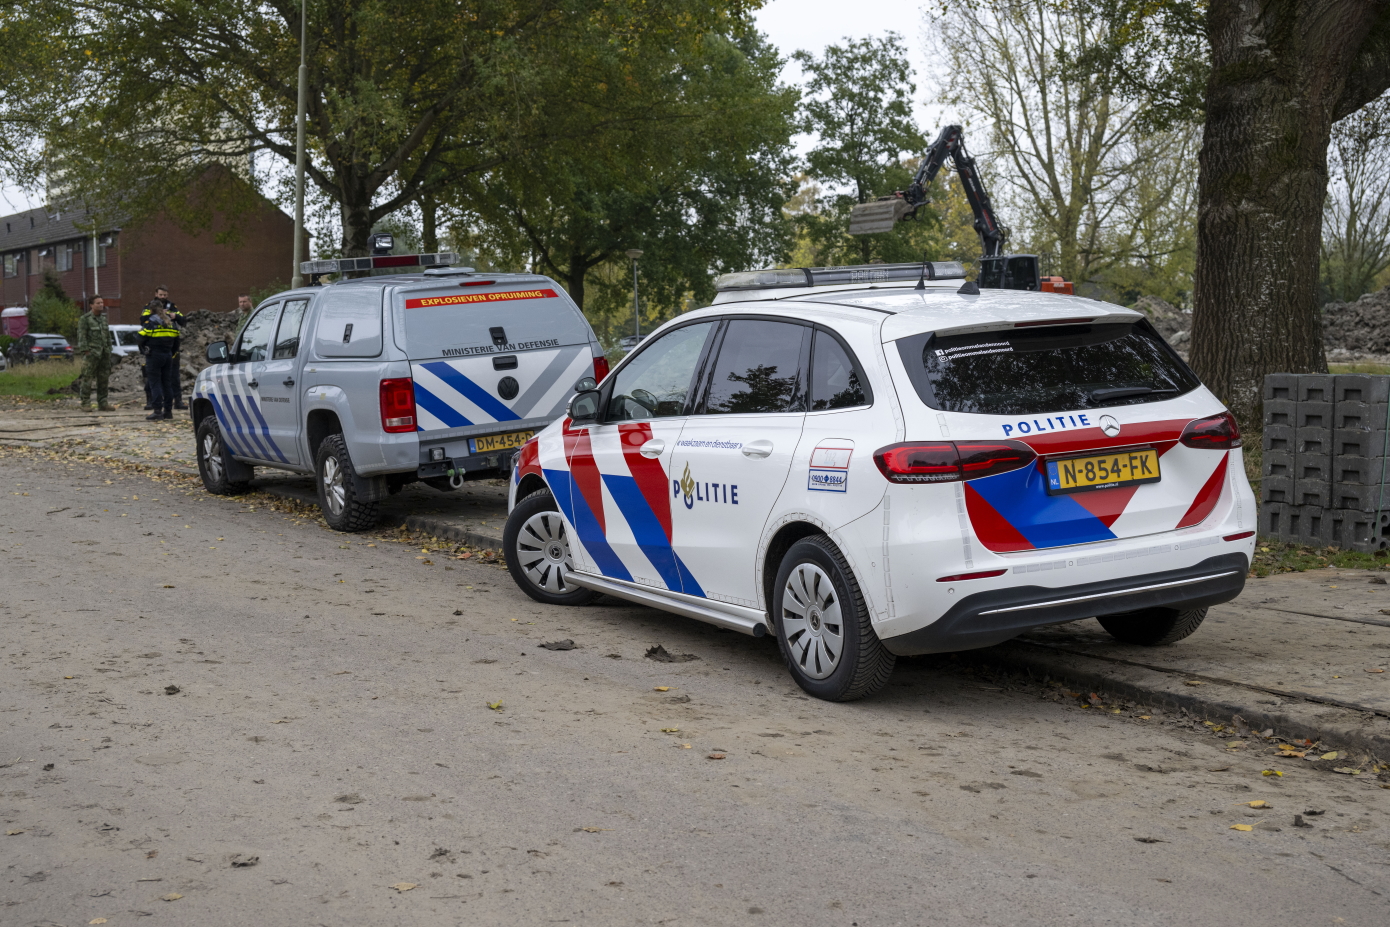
(405, 101)
(35, 69)
(692, 174)
(1282, 73)
(1084, 173)
(1356, 217)
(858, 104)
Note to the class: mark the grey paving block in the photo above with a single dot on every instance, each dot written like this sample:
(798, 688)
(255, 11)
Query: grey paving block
(1281, 386)
(1316, 467)
(1278, 438)
(1357, 387)
(1358, 531)
(1314, 387)
(1314, 415)
(1276, 489)
(1280, 412)
(1361, 416)
(1307, 524)
(1350, 443)
(1366, 499)
(1278, 463)
(1359, 471)
(1315, 441)
(1312, 492)
(1274, 520)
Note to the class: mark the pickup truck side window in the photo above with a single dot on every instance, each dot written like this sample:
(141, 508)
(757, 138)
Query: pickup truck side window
(291, 320)
(656, 382)
(254, 343)
(349, 321)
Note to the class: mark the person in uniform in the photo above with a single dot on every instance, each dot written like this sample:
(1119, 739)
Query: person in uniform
(171, 315)
(94, 347)
(159, 342)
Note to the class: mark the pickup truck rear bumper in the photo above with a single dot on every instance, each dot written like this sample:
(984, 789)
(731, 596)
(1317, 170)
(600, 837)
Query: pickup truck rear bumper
(476, 467)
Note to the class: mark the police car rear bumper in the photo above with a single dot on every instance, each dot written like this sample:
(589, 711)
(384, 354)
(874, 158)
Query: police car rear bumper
(992, 617)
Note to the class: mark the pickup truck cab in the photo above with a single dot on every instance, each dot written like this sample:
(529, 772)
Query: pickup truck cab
(373, 383)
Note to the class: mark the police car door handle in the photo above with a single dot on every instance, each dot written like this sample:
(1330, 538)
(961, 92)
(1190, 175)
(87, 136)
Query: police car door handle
(758, 449)
(652, 448)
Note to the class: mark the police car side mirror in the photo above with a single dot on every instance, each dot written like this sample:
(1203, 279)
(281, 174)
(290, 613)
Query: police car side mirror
(585, 384)
(584, 407)
(217, 352)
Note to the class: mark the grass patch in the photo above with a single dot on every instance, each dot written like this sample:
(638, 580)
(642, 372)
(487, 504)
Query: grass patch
(36, 379)
(1358, 368)
(1273, 556)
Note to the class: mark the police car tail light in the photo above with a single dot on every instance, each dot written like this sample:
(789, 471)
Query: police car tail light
(600, 368)
(1218, 433)
(951, 461)
(398, 405)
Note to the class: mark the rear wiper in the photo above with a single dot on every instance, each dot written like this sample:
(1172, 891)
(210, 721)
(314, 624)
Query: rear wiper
(1125, 392)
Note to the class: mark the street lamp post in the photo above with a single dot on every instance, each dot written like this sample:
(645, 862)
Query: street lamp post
(297, 278)
(635, 253)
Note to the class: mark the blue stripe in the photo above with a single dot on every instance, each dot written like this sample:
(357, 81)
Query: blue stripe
(227, 439)
(578, 514)
(234, 432)
(472, 391)
(250, 430)
(650, 536)
(438, 408)
(1020, 496)
(255, 405)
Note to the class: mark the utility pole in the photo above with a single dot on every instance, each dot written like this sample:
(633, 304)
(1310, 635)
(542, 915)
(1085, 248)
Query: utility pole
(636, 313)
(297, 278)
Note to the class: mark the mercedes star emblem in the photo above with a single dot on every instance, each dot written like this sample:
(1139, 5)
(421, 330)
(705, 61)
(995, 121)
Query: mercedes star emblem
(1109, 426)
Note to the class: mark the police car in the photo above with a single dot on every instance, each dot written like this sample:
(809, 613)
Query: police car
(870, 468)
(373, 383)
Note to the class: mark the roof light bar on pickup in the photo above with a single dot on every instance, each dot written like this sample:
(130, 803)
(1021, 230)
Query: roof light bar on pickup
(348, 265)
(842, 276)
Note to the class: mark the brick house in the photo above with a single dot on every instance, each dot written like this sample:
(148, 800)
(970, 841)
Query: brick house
(132, 260)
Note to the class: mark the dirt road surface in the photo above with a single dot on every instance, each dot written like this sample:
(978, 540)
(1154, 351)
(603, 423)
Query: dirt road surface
(216, 714)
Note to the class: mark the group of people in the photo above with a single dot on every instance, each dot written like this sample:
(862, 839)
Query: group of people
(159, 336)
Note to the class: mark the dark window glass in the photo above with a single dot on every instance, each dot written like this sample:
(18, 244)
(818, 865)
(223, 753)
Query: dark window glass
(835, 383)
(255, 337)
(656, 383)
(1031, 371)
(287, 341)
(759, 369)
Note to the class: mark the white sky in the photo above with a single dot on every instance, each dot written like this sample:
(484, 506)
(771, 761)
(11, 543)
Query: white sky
(791, 25)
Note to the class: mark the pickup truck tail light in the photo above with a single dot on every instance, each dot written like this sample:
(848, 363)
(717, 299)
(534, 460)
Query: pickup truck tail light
(951, 461)
(398, 405)
(1218, 433)
(600, 368)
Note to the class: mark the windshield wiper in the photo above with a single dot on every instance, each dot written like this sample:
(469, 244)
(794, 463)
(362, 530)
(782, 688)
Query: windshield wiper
(1125, 392)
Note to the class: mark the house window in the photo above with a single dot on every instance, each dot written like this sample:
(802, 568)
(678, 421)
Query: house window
(65, 257)
(11, 265)
(104, 242)
(35, 262)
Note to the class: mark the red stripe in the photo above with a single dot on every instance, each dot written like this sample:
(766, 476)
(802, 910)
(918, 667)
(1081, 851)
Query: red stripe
(647, 471)
(993, 530)
(1106, 504)
(1207, 496)
(580, 454)
(1163, 434)
(530, 459)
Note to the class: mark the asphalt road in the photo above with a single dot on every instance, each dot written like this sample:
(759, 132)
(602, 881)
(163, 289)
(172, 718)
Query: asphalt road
(331, 722)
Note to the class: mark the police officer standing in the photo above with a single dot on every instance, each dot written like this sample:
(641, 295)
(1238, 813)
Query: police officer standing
(159, 342)
(170, 313)
(94, 347)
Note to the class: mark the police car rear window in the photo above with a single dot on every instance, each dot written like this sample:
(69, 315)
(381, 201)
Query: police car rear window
(1036, 370)
(473, 322)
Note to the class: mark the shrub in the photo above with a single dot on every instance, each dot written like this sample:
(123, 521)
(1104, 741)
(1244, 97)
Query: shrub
(54, 314)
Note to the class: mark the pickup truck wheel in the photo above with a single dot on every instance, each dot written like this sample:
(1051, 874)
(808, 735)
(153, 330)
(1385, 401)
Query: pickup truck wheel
(1152, 627)
(823, 625)
(213, 464)
(537, 548)
(337, 486)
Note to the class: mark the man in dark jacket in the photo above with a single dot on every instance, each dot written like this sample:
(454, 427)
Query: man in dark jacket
(159, 342)
(171, 314)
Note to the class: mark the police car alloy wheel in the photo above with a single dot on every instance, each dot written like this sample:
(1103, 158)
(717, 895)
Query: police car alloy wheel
(538, 555)
(823, 625)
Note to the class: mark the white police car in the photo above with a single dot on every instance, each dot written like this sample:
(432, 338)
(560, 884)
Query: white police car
(871, 469)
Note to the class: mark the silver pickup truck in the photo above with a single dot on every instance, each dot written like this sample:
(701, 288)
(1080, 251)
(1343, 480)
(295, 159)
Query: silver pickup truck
(374, 383)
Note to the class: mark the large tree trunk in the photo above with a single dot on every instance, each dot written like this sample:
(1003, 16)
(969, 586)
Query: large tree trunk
(429, 212)
(1279, 71)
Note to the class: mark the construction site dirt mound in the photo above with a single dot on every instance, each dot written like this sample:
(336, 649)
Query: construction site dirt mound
(1358, 330)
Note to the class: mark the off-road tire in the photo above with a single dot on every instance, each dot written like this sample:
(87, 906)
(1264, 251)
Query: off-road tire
(863, 665)
(1153, 627)
(214, 463)
(535, 543)
(335, 479)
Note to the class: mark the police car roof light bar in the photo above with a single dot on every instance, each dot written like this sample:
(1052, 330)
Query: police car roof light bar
(348, 265)
(840, 276)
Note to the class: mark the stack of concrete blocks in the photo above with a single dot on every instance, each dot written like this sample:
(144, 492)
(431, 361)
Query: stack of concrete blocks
(1327, 460)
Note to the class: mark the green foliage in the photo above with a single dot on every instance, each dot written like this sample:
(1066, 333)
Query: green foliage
(55, 315)
(34, 381)
(1356, 213)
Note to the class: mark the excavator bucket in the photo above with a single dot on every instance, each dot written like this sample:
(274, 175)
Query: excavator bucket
(878, 216)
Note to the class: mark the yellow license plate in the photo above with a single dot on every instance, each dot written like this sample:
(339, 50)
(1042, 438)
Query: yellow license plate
(1102, 471)
(489, 443)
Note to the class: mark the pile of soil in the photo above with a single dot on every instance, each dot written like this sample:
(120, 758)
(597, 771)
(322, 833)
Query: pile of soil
(1358, 330)
(200, 329)
(1174, 324)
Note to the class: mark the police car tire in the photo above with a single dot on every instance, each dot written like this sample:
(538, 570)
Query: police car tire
(355, 514)
(532, 505)
(865, 664)
(1153, 627)
(215, 482)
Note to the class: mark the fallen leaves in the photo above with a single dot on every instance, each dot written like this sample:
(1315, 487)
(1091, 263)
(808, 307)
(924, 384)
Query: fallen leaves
(670, 730)
(1374, 669)
(565, 644)
(1272, 772)
(97, 920)
(1193, 682)
(660, 655)
(1330, 756)
(661, 688)
(404, 886)
(1257, 803)
(172, 690)
(718, 756)
(592, 830)
(495, 706)
(243, 862)
(1243, 828)
(1346, 770)
(14, 832)
(172, 896)
(351, 798)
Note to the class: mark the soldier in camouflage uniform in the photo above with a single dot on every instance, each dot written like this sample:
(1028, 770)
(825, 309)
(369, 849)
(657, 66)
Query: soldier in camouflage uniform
(94, 347)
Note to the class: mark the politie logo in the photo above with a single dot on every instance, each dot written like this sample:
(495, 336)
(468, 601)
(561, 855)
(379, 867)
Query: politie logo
(703, 492)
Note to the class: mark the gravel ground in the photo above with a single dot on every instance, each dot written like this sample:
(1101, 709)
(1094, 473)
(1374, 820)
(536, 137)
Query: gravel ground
(217, 712)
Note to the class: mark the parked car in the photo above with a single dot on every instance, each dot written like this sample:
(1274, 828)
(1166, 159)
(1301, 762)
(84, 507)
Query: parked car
(123, 340)
(38, 346)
